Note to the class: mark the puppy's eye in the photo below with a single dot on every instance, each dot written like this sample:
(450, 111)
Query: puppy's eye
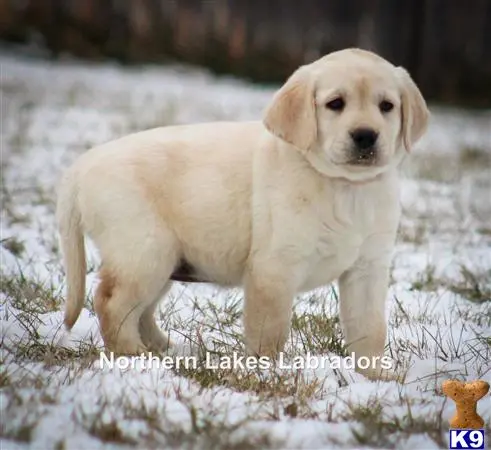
(336, 105)
(386, 106)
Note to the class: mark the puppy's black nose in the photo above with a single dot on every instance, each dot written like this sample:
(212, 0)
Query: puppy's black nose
(364, 138)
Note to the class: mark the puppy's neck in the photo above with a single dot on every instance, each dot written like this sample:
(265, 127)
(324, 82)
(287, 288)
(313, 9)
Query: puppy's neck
(347, 181)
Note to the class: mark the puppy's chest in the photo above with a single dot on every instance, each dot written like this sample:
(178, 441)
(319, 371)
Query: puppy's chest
(339, 230)
(331, 255)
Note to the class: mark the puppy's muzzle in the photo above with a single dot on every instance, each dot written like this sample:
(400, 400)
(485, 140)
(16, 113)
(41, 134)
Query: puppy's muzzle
(365, 149)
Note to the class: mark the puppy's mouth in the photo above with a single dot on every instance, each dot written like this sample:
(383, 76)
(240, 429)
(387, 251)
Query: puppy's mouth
(369, 157)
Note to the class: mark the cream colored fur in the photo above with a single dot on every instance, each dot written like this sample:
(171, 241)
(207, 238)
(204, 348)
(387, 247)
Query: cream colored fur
(272, 206)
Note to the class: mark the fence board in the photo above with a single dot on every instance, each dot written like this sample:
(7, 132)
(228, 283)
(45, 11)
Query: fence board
(445, 44)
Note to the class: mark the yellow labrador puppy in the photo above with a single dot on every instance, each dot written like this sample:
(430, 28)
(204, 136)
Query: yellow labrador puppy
(307, 196)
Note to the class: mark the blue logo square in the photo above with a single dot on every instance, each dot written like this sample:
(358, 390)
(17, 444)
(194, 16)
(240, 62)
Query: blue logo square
(466, 439)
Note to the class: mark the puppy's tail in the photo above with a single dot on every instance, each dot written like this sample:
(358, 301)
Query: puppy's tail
(72, 247)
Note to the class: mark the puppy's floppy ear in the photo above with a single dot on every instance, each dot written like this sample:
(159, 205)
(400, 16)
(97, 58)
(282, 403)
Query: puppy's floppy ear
(414, 114)
(291, 114)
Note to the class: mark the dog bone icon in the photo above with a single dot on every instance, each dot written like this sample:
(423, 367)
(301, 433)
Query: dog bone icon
(466, 396)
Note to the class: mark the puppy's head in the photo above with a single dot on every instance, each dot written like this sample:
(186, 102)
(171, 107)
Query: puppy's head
(350, 113)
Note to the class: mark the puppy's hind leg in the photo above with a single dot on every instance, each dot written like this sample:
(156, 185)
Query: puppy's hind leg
(131, 281)
(152, 336)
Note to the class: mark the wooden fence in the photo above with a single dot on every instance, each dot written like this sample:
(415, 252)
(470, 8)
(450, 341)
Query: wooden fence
(445, 44)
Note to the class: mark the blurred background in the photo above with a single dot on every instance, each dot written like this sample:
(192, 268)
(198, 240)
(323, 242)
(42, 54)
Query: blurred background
(445, 44)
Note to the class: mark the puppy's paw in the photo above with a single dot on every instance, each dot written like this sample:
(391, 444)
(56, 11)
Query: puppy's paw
(128, 348)
(381, 374)
(156, 341)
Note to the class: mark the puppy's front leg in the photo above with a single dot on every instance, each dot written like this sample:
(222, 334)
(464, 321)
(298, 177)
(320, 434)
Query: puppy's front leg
(363, 291)
(267, 311)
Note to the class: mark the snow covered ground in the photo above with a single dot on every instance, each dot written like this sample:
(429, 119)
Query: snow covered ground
(54, 394)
